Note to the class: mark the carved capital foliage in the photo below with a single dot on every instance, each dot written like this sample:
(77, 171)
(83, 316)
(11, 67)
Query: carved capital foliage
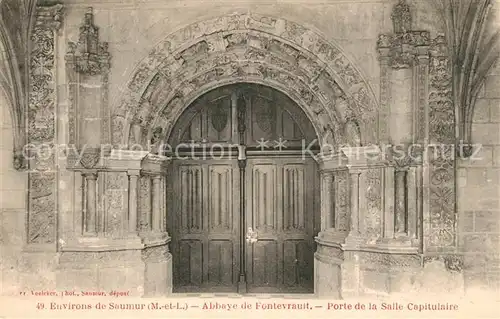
(402, 159)
(89, 55)
(404, 45)
(404, 49)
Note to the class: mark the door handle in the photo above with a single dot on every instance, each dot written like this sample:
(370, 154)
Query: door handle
(251, 236)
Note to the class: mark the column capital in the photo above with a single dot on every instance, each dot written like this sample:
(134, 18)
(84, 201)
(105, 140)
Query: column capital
(363, 157)
(406, 157)
(401, 60)
(133, 172)
(424, 58)
(326, 174)
(156, 178)
(90, 175)
(331, 161)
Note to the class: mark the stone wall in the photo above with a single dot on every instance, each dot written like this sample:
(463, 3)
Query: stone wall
(479, 193)
(12, 204)
(18, 269)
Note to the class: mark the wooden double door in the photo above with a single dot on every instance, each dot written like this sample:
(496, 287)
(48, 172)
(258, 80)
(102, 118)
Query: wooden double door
(281, 208)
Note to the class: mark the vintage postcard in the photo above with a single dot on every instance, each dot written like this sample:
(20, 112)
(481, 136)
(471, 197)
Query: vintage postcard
(237, 158)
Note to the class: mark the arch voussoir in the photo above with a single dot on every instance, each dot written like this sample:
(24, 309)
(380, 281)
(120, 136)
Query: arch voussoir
(246, 48)
(165, 116)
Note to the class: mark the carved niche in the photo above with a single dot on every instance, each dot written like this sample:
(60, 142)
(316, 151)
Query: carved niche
(401, 17)
(90, 56)
(87, 69)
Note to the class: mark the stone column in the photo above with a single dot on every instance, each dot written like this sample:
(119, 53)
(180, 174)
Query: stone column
(354, 187)
(401, 203)
(355, 237)
(156, 213)
(327, 193)
(132, 201)
(389, 191)
(412, 200)
(90, 227)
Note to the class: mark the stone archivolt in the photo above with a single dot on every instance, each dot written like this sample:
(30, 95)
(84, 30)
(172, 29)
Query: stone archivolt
(245, 48)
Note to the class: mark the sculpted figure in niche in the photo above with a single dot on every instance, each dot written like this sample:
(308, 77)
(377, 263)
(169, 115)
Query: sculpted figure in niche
(140, 121)
(156, 139)
(341, 107)
(352, 132)
(136, 132)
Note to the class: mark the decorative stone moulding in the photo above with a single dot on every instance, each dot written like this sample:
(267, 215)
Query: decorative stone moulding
(363, 157)
(42, 208)
(246, 48)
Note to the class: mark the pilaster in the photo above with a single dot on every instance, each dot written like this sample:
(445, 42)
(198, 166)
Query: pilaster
(42, 211)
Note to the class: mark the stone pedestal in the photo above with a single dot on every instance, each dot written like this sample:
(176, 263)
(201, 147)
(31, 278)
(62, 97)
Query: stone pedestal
(110, 249)
(138, 271)
(328, 261)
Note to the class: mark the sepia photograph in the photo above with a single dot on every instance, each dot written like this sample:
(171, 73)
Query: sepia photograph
(233, 158)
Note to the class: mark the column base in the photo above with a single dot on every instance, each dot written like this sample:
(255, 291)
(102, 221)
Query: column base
(242, 285)
(402, 245)
(332, 237)
(353, 241)
(154, 238)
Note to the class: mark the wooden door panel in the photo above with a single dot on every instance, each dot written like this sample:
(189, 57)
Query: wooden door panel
(298, 255)
(191, 193)
(264, 200)
(293, 198)
(220, 199)
(264, 266)
(281, 209)
(221, 260)
(190, 257)
(204, 225)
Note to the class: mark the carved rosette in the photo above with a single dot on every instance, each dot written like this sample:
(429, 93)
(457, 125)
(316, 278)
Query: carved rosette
(442, 217)
(42, 209)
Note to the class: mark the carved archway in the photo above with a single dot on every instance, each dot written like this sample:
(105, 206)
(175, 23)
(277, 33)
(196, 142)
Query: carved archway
(247, 48)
